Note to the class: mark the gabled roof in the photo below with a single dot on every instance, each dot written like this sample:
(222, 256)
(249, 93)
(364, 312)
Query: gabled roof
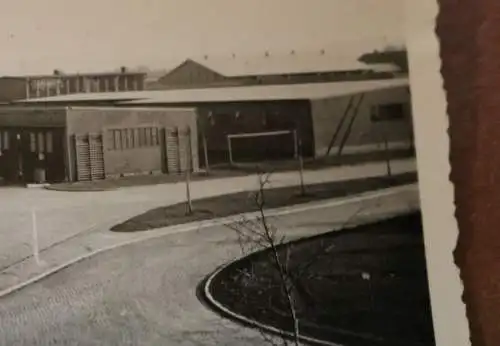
(189, 63)
(232, 94)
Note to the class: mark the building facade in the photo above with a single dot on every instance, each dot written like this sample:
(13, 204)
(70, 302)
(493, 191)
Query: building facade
(94, 143)
(29, 87)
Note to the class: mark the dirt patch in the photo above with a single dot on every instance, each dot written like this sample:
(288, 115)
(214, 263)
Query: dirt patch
(242, 202)
(364, 286)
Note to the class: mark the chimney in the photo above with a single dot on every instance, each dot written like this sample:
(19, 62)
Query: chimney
(57, 72)
(123, 69)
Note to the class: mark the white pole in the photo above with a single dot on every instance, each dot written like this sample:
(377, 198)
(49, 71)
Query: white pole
(36, 253)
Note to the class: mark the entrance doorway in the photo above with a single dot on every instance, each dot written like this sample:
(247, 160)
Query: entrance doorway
(24, 150)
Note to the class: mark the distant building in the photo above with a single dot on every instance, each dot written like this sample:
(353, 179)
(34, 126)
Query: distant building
(353, 117)
(269, 70)
(29, 87)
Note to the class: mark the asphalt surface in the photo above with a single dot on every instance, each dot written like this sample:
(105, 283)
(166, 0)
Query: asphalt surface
(143, 294)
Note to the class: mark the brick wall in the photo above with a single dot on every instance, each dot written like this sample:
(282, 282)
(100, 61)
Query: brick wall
(469, 32)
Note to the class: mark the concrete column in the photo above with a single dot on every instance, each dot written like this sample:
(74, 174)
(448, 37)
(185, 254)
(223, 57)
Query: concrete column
(78, 89)
(106, 84)
(68, 86)
(125, 82)
(116, 84)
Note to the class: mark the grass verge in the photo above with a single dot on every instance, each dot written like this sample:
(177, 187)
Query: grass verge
(241, 202)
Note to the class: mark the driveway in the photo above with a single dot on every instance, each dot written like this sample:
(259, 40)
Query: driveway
(61, 216)
(145, 294)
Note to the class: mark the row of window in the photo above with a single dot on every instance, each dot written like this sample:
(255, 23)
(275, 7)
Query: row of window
(124, 139)
(41, 142)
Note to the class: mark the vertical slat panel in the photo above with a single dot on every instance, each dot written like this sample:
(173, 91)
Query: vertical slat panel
(82, 157)
(172, 151)
(96, 156)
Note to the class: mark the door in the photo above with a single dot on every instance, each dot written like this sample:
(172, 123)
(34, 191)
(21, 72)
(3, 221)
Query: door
(43, 148)
(10, 164)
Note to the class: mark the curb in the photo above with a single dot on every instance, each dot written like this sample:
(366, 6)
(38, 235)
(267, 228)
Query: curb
(207, 283)
(210, 223)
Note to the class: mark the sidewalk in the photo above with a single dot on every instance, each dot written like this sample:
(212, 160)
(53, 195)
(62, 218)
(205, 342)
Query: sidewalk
(71, 224)
(307, 220)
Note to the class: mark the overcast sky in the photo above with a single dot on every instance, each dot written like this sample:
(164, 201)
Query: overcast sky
(37, 36)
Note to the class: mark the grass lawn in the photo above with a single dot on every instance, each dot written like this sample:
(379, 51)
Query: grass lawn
(237, 203)
(360, 286)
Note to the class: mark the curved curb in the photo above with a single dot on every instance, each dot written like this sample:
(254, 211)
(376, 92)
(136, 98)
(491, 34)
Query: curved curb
(220, 308)
(247, 321)
(210, 223)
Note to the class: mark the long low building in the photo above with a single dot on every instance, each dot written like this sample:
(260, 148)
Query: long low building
(328, 118)
(57, 144)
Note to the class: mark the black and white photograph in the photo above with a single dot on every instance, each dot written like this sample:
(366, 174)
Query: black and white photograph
(215, 173)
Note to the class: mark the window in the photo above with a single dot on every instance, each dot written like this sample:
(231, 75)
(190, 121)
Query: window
(32, 142)
(41, 142)
(5, 138)
(388, 112)
(49, 143)
(133, 138)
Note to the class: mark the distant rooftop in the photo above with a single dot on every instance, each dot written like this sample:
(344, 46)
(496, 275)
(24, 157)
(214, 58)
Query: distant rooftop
(98, 74)
(231, 94)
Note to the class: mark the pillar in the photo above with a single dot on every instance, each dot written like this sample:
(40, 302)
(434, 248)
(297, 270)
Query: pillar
(469, 31)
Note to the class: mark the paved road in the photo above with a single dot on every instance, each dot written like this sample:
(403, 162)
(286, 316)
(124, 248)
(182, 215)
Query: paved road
(62, 215)
(144, 294)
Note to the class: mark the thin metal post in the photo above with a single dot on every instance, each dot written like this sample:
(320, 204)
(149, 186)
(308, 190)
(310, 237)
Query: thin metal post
(387, 155)
(205, 152)
(36, 252)
(230, 150)
(295, 145)
(301, 169)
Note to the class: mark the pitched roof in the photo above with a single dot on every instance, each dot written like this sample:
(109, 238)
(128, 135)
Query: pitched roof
(232, 94)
